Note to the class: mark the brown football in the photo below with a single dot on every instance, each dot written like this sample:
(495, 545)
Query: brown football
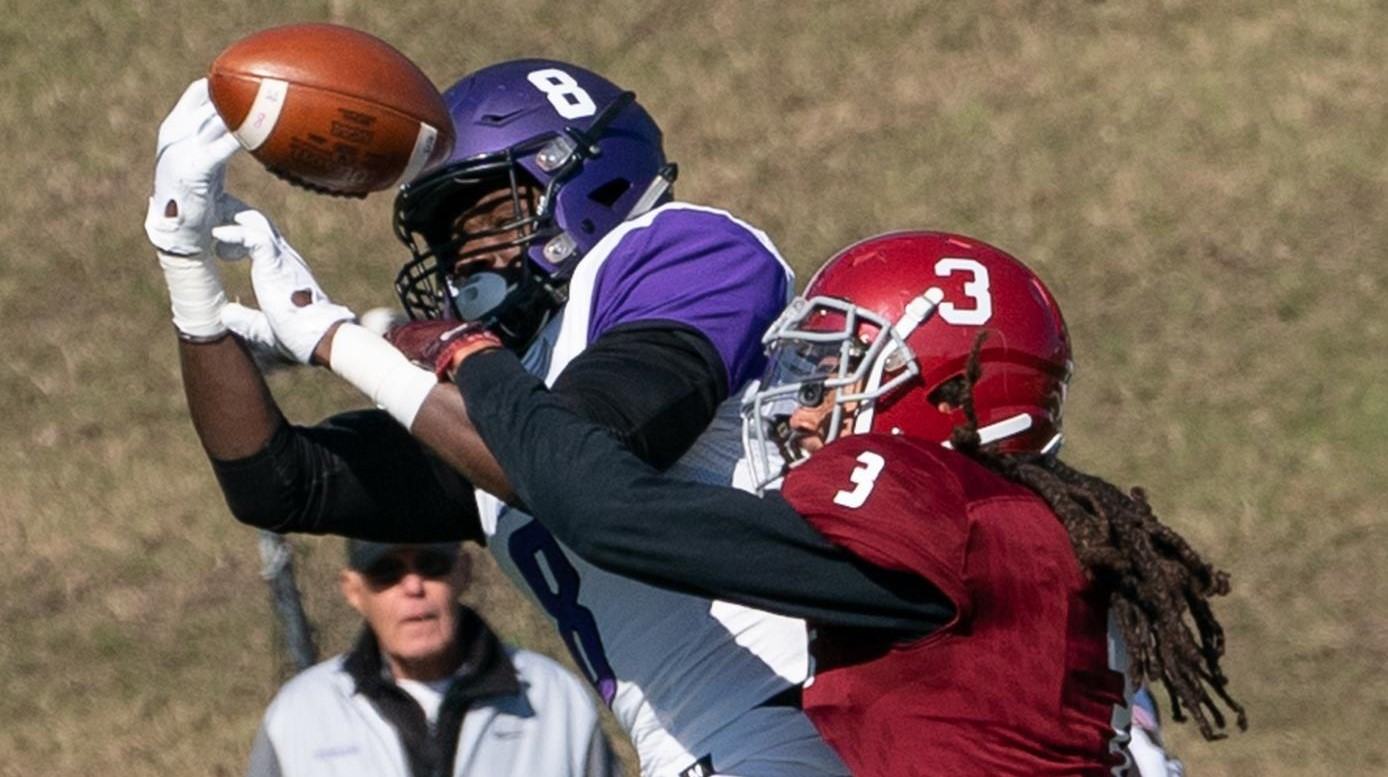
(330, 108)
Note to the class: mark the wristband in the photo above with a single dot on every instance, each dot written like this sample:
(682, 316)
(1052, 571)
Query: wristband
(456, 351)
(380, 372)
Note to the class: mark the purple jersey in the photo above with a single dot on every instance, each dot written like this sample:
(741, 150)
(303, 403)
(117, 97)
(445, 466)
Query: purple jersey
(694, 266)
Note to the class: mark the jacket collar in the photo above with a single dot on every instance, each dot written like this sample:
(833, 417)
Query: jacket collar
(485, 670)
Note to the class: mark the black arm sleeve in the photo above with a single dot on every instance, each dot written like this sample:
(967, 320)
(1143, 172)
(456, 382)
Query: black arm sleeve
(655, 384)
(618, 513)
(358, 474)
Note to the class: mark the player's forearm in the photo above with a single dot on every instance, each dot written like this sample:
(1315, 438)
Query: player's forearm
(443, 424)
(656, 386)
(434, 414)
(618, 513)
(230, 405)
(357, 475)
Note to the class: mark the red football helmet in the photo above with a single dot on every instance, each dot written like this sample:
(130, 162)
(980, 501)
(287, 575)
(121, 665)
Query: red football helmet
(887, 321)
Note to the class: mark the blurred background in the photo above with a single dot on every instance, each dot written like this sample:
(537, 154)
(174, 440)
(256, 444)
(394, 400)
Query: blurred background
(1201, 184)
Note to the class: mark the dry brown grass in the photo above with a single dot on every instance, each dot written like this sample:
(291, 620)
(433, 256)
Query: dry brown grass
(1200, 182)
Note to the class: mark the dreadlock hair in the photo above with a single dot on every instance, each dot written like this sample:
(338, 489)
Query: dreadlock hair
(1153, 576)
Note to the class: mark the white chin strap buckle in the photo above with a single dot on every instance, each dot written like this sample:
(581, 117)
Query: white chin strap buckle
(1002, 429)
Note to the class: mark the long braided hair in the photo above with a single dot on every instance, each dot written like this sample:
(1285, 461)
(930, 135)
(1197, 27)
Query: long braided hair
(1153, 575)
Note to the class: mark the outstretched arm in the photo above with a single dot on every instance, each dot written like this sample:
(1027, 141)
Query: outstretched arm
(673, 311)
(431, 412)
(274, 475)
(654, 384)
(357, 474)
(231, 407)
(620, 514)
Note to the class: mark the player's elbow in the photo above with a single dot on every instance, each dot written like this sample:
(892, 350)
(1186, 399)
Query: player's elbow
(576, 527)
(599, 528)
(262, 513)
(258, 499)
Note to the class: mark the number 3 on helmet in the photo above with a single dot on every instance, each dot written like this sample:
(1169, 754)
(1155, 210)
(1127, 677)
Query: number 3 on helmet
(887, 322)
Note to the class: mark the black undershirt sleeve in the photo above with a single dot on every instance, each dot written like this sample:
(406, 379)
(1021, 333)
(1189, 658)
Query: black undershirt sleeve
(357, 474)
(654, 384)
(617, 512)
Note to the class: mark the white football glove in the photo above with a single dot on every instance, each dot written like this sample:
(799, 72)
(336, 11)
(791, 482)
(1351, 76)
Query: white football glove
(298, 312)
(190, 167)
(254, 328)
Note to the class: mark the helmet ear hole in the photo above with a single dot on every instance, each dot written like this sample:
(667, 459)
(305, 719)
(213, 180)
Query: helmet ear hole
(951, 391)
(608, 194)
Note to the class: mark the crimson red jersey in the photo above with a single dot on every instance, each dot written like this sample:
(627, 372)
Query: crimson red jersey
(1022, 682)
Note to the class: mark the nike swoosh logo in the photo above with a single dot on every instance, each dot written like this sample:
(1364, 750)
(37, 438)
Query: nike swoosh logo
(498, 118)
(455, 331)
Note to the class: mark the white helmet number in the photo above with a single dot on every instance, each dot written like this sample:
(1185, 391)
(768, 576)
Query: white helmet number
(976, 289)
(568, 98)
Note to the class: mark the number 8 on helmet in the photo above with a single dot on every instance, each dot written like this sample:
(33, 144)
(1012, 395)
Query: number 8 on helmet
(578, 156)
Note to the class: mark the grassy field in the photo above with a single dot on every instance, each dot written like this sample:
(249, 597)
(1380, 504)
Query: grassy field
(1202, 184)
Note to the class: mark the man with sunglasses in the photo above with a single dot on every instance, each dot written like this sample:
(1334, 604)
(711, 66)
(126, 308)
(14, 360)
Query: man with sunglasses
(427, 689)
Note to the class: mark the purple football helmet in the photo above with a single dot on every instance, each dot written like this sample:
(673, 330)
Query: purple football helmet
(591, 151)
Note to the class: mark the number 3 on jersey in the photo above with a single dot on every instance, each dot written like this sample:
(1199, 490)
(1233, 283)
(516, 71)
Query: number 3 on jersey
(557, 592)
(864, 479)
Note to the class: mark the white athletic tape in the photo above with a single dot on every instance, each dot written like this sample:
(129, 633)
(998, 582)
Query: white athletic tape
(381, 372)
(265, 113)
(423, 147)
(195, 294)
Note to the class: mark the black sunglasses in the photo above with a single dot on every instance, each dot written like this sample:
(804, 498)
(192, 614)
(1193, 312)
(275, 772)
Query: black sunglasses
(427, 563)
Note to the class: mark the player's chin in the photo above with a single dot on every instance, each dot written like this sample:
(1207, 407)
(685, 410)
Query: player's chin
(805, 444)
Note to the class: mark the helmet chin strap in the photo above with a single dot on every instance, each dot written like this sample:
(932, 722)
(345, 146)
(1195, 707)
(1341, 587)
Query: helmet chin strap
(1014, 425)
(659, 186)
(1007, 427)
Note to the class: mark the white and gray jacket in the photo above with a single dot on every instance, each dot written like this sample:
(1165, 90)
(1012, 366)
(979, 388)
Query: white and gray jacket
(507, 712)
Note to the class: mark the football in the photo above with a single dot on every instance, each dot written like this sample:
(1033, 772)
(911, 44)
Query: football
(330, 108)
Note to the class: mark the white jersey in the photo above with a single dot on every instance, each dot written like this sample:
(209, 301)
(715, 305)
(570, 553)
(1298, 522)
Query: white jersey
(686, 677)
